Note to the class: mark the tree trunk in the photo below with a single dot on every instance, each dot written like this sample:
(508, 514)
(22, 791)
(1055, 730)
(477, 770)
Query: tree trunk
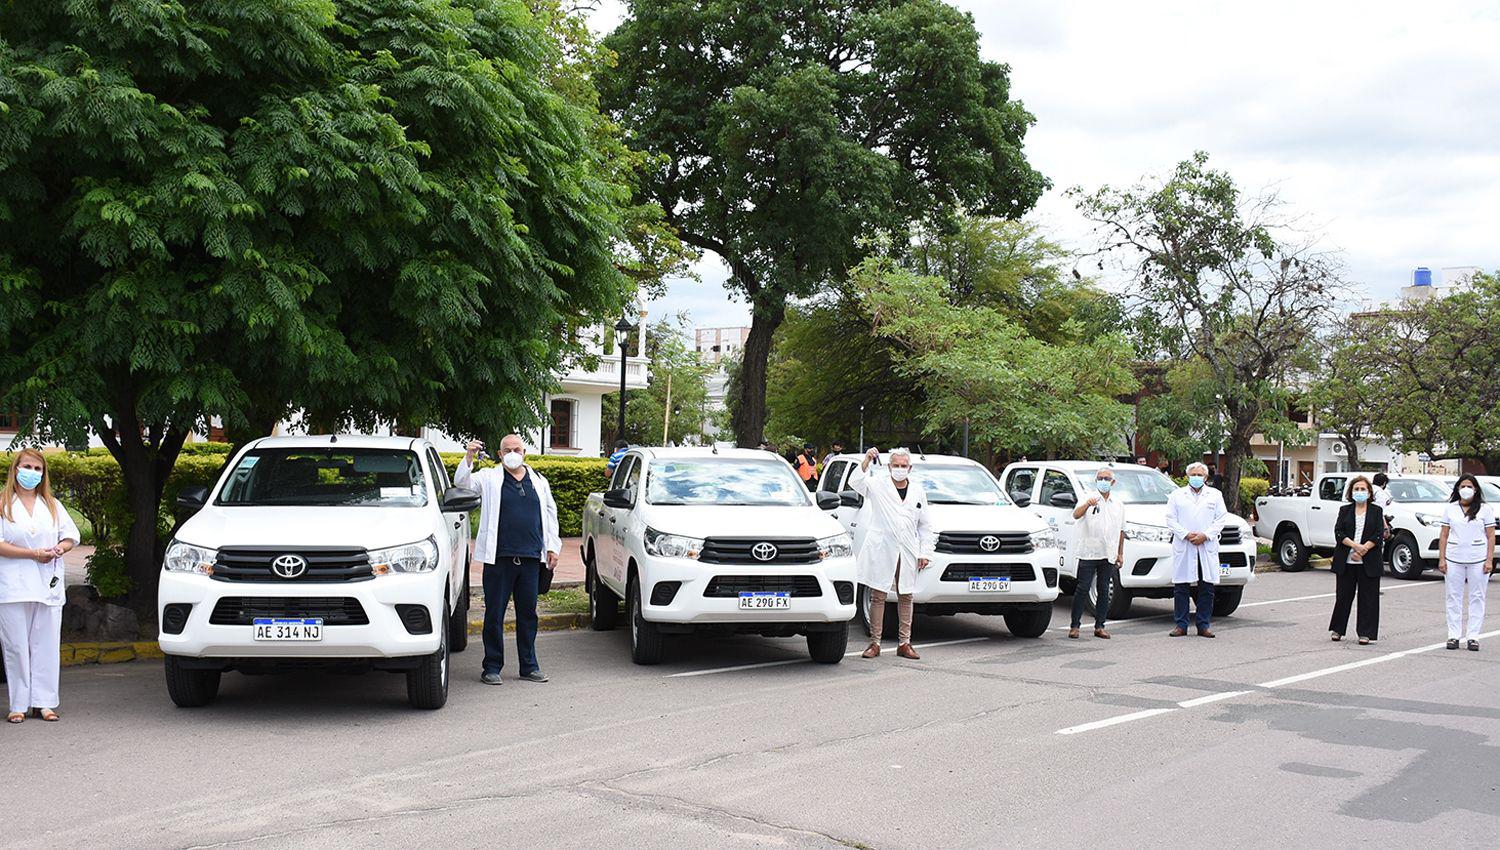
(1235, 453)
(749, 421)
(146, 457)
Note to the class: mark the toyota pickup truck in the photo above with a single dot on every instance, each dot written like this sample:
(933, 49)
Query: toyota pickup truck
(1300, 526)
(989, 557)
(720, 541)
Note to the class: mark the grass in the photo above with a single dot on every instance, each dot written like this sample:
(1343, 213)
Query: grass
(565, 600)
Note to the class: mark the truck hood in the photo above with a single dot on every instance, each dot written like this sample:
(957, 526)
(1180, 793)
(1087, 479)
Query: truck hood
(742, 521)
(984, 518)
(370, 528)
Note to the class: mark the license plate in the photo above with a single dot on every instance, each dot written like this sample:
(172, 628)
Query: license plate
(288, 628)
(989, 584)
(765, 600)
(1223, 571)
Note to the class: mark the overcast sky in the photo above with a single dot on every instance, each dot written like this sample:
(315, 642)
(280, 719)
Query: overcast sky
(1379, 123)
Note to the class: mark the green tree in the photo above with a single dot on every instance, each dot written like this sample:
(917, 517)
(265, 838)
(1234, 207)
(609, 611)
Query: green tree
(1215, 276)
(678, 379)
(370, 211)
(1344, 396)
(795, 128)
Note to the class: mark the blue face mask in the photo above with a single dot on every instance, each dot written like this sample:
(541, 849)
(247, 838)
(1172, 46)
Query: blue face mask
(1195, 481)
(28, 478)
(1103, 485)
(1361, 496)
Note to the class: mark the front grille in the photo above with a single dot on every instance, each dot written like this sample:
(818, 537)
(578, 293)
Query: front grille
(964, 572)
(741, 550)
(416, 619)
(663, 592)
(732, 586)
(324, 564)
(968, 542)
(1230, 536)
(1233, 559)
(334, 610)
(174, 617)
(845, 592)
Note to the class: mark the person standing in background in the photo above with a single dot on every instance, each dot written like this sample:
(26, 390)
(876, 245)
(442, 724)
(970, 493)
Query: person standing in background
(621, 447)
(1466, 555)
(807, 466)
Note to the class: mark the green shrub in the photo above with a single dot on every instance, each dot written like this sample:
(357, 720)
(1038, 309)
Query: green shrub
(194, 470)
(206, 448)
(106, 572)
(91, 485)
(1251, 489)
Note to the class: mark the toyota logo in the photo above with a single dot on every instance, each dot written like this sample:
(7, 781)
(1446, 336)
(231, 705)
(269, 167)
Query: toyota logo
(289, 566)
(989, 543)
(763, 552)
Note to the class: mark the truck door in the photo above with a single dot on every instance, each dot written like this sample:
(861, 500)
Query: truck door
(833, 482)
(1020, 485)
(1058, 485)
(613, 554)
(455, 525)
(1323, 510)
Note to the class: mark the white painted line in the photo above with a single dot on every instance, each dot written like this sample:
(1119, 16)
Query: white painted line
(787, 661)
(1354, 665)
(1111, 721)
(1384, 587)
(1197, 701)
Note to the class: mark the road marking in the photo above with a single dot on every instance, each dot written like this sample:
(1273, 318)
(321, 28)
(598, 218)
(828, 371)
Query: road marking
(1197, 701)
(1366, 662)
(787, 661)
(1111, 721)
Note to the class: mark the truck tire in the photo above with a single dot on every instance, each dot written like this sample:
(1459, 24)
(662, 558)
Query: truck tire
(604, 606)
(1031, 622)
(645, 638)
(1227, 599)
(458, 624)
(828, 647)
(1290, 552)
(1120, 599)
(1406, 558)
(190, 688)
(427, 684)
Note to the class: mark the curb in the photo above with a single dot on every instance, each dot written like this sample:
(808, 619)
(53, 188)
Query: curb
(545, 623)
(108, 652)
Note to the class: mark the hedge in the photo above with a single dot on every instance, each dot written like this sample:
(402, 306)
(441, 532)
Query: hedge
(572, 480)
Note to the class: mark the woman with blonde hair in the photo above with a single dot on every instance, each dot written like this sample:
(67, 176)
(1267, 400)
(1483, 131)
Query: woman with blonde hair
(35, 533)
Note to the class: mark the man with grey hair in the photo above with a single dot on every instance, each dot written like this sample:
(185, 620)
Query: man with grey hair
(897, 543)
(1195, 515)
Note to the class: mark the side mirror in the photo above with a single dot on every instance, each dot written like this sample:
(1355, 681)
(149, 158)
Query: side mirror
(458, 500)
(851, 499)
(1063, 500)
(619, 498)
(1022, 500)
(191, 500)
(829, 501)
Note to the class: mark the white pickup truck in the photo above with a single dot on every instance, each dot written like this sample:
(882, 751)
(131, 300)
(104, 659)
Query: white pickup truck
(989, 557)
(1300, 526)
(1053, 488)
(717, 540)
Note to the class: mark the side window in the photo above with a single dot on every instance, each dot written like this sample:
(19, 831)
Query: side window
(439, 472)
(633, 477)
(833, 476)
(1053, 483)
(1331, 490)
(622, 472)
(1021, 482)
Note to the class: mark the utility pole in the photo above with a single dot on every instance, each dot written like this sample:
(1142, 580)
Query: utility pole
(666, 419)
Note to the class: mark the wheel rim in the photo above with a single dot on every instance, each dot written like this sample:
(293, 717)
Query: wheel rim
(635, 614)
(1288, 552)
(1401, 558)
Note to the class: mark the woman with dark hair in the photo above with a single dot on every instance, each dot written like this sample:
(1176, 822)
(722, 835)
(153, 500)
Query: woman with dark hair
(1466, 554)
(1357, 562)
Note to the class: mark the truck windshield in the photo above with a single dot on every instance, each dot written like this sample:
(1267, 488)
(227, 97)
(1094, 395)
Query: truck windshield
(325, 477)
(1418, 490)
(958, 485)
(724, 482)
(1135, 486)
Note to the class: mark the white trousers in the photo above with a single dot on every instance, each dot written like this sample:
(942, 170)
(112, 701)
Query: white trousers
(31, 638)
(1461, 578)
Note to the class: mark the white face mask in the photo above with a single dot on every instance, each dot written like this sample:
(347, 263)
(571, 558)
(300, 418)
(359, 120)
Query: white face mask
(513, 460)
(899, 473)
(1466, 493)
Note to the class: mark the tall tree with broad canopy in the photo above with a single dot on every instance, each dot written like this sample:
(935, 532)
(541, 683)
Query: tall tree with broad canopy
(369, 211)
(793, 129)
(1226, 282)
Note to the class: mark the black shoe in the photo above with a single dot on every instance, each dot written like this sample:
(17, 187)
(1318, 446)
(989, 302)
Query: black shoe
(1453, 643)
(1473, 646)
(534, 676)
(490, 678)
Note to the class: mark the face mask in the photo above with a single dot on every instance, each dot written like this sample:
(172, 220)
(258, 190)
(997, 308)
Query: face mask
(512, 460)
(1465, 493)
(1361, 496)
(28, 478)
(1103, 485)
(899, 473)
(1195, 481)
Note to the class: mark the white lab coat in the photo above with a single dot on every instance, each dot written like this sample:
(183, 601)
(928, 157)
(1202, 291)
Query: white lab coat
(487, 482)
(894, 528)
(1204, 513)
(25, 580)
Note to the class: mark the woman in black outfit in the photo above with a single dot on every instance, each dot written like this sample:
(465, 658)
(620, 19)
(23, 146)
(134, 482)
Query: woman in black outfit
(1358, 562)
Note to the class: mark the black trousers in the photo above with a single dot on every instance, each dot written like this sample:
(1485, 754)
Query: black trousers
(1092, 570)
(1351, 582)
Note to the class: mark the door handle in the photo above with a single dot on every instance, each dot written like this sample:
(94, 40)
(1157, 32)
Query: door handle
(458, 524)
(853, 525)
(1314, 508)
(611, 520)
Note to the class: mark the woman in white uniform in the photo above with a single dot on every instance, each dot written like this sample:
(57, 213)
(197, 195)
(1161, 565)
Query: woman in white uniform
(1466, 554)
(35, 532)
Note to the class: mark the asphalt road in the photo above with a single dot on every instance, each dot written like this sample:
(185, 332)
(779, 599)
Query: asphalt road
(1269, 735)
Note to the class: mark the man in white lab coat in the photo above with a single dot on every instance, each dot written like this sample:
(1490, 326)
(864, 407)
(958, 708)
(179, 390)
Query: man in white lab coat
(897, 543)
(1195, 515)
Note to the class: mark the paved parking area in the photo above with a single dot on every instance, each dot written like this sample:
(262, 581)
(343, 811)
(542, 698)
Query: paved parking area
(1269, 735)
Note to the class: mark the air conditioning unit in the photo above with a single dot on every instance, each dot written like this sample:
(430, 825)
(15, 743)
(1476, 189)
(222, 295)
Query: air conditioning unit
(1338, 448)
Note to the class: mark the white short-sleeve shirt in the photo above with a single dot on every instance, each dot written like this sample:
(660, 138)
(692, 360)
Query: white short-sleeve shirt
(1466, 537)
(25, 580)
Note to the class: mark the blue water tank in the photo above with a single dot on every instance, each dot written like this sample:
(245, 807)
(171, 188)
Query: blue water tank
(1421, 276)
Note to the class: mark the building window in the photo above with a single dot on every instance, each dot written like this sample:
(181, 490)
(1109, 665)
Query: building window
(10, 421)
(561, 433)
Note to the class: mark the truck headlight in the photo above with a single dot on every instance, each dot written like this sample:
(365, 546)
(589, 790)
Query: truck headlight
(420, 557)
(1429, 519)
(187, 558)
(837, 546)
(1045, 539)
(664, 545)
(1147, 533)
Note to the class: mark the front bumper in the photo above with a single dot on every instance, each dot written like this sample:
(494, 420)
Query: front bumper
(1043, 564)
(385, 636)
(690, 605)
(1149, 564)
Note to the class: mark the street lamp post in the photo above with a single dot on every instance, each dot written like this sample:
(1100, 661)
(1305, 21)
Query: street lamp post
(622, 336)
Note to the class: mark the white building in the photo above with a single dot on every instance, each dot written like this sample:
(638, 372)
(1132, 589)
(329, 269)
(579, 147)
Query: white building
(714, 344)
